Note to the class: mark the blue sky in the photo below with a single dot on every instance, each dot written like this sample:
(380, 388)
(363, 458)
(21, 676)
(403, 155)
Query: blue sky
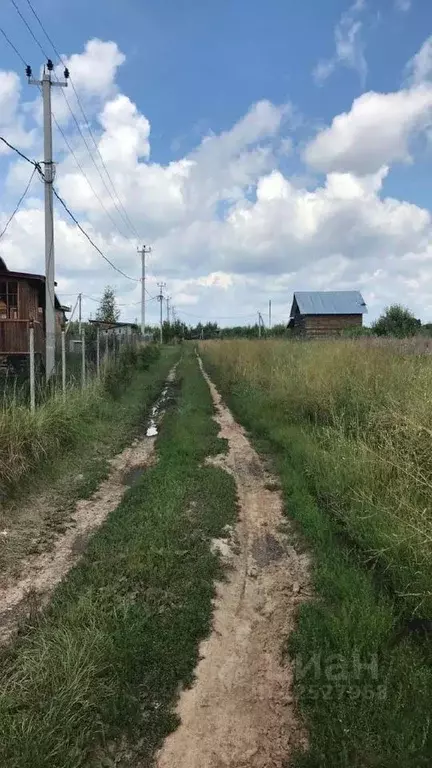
(194, 70)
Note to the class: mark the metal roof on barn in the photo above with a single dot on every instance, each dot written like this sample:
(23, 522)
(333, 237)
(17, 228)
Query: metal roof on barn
(330, 302)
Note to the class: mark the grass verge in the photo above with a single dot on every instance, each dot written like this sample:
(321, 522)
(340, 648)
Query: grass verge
(362, 686)
(70, 457)
(96, 679)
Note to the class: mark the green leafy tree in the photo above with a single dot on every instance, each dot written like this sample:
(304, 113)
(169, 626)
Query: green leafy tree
(108, 312)
(396, 321)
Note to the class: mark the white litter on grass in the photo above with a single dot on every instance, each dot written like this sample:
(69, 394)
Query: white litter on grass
(152, 430)
(221, 547)
(3, 533)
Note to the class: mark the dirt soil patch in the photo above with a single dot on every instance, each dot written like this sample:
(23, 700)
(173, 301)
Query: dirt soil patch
(240, 711)
(40, 573)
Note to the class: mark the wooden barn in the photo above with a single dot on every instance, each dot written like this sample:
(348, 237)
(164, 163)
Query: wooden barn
(325, 313)
(22, 298)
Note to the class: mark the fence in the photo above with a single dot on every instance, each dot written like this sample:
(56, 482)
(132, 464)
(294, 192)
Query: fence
(79, 359)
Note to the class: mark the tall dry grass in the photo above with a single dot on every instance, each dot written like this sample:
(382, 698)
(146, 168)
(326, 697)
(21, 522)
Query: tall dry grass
(363, 416)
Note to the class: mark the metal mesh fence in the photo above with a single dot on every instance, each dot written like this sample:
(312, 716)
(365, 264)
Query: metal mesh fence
(80, 359)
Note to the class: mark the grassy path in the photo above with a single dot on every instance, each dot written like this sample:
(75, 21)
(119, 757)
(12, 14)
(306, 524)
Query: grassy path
(89, 429)
(96, 677)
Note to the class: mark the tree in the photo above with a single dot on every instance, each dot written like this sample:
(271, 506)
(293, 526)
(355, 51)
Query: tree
(108, 311)
(396, 321)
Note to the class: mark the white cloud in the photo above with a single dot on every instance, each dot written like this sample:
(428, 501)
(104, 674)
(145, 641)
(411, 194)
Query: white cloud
(229, 230)
(375, 132)
(11, 112)
(94, 71)
(93, 74)
(349, 47)
(403, 5)
(419, 68)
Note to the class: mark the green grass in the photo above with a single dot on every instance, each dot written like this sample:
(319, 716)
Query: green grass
(318, 410)
(45, 484)
(98, 675)
(31, 440)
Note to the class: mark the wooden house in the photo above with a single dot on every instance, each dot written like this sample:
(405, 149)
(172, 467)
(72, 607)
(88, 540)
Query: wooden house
(22, 299)
(325, 313)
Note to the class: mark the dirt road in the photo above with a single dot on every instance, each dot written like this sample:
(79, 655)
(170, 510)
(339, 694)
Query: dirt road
(240, 711)
(41, 573)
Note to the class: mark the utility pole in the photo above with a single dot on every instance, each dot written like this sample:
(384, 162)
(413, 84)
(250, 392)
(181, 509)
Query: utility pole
(143, 251)
(161, 298)
(46, 84)
(260, 324)
(270, 317)
(168, 299)
(79, 313)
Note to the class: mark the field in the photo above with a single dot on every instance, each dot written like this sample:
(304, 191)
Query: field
(258, 597)
(348, 427)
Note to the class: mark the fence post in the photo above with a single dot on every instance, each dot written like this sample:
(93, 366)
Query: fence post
(97, 352)
(32, 367)
(63, 359)
(83, 364)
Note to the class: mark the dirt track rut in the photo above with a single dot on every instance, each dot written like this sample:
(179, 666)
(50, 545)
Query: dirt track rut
(41, 573)
(240, 711)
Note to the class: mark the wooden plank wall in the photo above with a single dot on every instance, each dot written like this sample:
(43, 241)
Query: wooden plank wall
(325, 325)
(14, 337)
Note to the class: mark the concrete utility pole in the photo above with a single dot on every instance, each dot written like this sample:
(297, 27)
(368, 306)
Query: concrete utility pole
(143, 251)
(270, 318)
(46, 84)
(168, 307)
(79, 313)
(161, 298)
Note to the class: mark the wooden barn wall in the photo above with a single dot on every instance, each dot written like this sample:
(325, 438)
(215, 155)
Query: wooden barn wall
(322, 325)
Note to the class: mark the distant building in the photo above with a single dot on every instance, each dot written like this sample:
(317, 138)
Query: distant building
(22, 299)
(324, 313)
(119, 330)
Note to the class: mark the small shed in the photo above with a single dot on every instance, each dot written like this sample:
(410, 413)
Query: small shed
(119, 330)
(324, 313)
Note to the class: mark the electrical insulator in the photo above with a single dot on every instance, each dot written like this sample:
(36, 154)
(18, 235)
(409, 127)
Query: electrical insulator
(28, 70)
(50, 65)
(66, 73)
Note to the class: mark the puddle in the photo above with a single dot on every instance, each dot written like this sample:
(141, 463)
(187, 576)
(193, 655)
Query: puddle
(133, 475)
(157, 412)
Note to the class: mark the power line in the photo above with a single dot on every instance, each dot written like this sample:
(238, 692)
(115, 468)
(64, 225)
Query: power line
(29, 29)
(87, 121)
(18, 203)
(78, 164)
(81, 169)
(40, 46)
(8, 40)
(75, 220)
(21, 154)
